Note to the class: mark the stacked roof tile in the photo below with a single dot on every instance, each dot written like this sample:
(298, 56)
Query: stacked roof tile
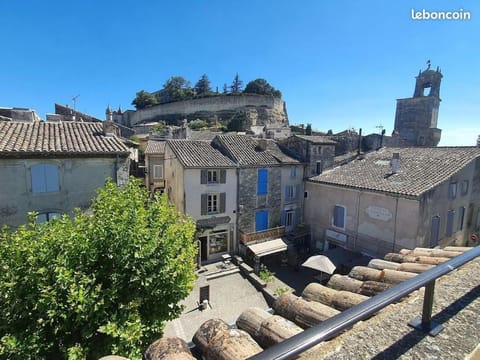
(199, 154)
(155, 147)
(42, 138)
(247, 151)
(420, 170)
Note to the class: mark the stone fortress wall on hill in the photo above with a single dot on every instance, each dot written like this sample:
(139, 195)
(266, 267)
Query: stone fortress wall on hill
(260, 109)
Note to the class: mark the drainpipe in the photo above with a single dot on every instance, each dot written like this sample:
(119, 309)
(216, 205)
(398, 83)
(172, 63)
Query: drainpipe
(358, 221)
(237, 215)
(395, 225)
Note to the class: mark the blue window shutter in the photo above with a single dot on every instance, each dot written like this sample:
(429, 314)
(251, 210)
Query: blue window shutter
(287, 192)
(339, 216)
(435, 231)
(461, 216)
(261, 220)
(262, 184)
(298, 192)
(51, 178)
(450, 217)
(282, 218)
(298, 216)
(203, 204)
(38, 179)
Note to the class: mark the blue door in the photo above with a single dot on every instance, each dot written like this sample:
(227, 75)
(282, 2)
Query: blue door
(435, 231)
(261, 220)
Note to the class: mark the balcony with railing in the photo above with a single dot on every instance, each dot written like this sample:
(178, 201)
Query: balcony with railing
(272, 233)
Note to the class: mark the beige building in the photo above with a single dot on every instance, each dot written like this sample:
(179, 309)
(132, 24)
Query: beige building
(396, 198)
(154, 166)
(202, 183)
(53, 168)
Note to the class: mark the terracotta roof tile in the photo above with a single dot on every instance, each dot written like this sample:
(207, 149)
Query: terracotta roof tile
(57, 138)
(420, 170)
(247, 151)
(155, 147)
(198, 154)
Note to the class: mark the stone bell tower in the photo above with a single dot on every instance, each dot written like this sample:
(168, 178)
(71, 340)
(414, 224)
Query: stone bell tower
(416, 117)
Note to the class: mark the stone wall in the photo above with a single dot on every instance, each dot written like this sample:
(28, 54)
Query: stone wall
(249, 202)
(260, 109)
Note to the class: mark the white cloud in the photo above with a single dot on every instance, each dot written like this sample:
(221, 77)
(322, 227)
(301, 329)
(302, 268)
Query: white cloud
(462, 136)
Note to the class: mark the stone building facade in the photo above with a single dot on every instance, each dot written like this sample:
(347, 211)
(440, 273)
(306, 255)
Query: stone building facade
(53, 175)
(316, 152)
(416, 118)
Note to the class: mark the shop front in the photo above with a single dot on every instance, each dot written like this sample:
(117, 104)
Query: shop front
(215, 237)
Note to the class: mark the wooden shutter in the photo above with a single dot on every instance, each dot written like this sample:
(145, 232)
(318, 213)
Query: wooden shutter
(450, 217)
(223, 198)
(298, 216)
(203, 176)
(223, 176)
(203, 200)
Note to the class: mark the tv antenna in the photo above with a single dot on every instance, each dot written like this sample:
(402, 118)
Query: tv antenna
(379, 127)
(74, 99)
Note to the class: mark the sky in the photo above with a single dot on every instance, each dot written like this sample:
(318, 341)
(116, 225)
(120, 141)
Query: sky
(339, 64)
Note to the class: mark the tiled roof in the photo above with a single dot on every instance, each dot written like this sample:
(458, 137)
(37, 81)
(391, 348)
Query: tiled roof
(420, 169)
(202, 135)
(155, 147)
(247, 151)
(198, 154)
(17, 138)
(317, 139)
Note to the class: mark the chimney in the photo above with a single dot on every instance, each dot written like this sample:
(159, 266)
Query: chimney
(261, 145)
(359, 147)
(395, 163)
(109, 128)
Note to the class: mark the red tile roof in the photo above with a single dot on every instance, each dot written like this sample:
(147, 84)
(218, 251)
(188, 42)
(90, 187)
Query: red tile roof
(56, 138)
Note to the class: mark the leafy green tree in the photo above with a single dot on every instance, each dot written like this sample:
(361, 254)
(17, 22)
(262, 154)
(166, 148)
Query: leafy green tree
(197, 124)
(98, 283)
(236, 86)
(239, 122)
(262, 87)
(202, 87)
(308, 129)
(144, 99)
(175, 89)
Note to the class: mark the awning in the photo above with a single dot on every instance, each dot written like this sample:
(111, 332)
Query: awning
(320, 263)
(268, 247)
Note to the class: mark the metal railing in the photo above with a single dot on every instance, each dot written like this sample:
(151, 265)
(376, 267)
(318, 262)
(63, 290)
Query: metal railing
(294, 346)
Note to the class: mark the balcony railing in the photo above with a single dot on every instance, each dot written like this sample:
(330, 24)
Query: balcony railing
(272, 233)
(294, 346)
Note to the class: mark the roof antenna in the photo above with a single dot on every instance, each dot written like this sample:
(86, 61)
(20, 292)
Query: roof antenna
(74, 99)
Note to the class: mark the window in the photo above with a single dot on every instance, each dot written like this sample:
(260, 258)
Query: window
(289, 217)
(319, 167)
(158, 171)
(261, 220)
(45, 178)
(218, 242)
(47, 216)
(464, 187)
(212, 176)
(289, 192)
(339, 216)
(452, 191)
(450, 218)
(213, 203)
(305, 194)
(293, 171)
(262, 184)
(461, 216)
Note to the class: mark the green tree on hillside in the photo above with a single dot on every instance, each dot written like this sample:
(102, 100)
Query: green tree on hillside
(262, 87)
(175, 89)
(236, 86)
(202, 87)
(144, 99)
(98, 283)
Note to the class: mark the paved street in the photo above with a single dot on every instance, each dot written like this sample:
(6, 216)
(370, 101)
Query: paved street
(230, 295)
